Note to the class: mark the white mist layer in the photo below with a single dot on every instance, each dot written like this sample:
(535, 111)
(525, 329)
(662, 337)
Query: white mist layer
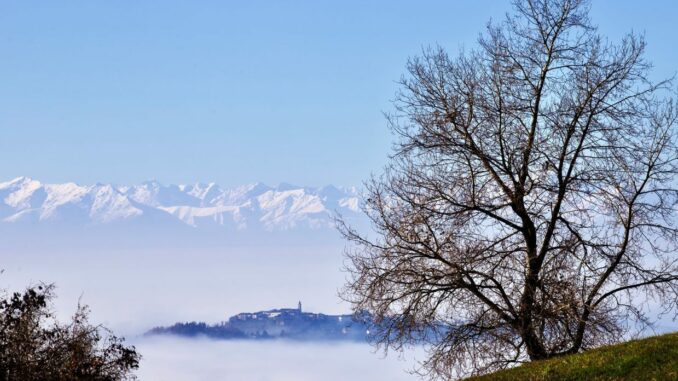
(170, 359)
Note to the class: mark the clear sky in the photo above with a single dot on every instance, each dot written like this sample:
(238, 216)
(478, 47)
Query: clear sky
(232, 92)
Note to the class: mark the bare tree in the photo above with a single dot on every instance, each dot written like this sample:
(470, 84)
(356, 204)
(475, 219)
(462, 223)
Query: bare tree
(529, 209)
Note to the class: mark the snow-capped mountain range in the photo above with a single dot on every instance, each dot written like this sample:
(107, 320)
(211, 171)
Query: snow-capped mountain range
(255, 206)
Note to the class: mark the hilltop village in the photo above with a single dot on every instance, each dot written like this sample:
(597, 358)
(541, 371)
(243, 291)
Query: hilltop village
(283, 323)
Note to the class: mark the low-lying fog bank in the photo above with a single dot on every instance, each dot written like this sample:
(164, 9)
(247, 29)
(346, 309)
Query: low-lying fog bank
(131, 290)
(174, 359)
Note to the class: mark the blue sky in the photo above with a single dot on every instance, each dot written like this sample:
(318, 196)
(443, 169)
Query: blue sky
(181, 91)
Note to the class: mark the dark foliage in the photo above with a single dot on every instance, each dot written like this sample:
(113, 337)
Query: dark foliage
(34, 346)
(196, 329)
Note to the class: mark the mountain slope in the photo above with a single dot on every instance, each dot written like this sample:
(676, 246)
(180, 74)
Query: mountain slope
(654, 358)
(255, 206)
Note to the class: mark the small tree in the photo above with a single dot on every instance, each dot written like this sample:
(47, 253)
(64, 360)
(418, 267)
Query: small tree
(529, 209)
(34, 346)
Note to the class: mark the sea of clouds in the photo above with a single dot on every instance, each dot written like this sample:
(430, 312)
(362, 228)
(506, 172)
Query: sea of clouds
(176, 359)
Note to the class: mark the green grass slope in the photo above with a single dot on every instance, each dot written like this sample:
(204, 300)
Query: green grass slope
(653, 358)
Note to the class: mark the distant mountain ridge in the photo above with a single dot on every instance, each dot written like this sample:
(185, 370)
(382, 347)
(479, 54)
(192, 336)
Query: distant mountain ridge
(256, 206)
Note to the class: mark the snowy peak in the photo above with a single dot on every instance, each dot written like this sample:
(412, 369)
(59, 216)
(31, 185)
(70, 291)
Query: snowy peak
(253, 206)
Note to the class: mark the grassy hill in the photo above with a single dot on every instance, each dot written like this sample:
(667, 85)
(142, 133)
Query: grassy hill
(654, 358)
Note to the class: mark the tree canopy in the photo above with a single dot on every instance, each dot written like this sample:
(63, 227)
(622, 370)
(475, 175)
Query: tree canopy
(34, 346)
